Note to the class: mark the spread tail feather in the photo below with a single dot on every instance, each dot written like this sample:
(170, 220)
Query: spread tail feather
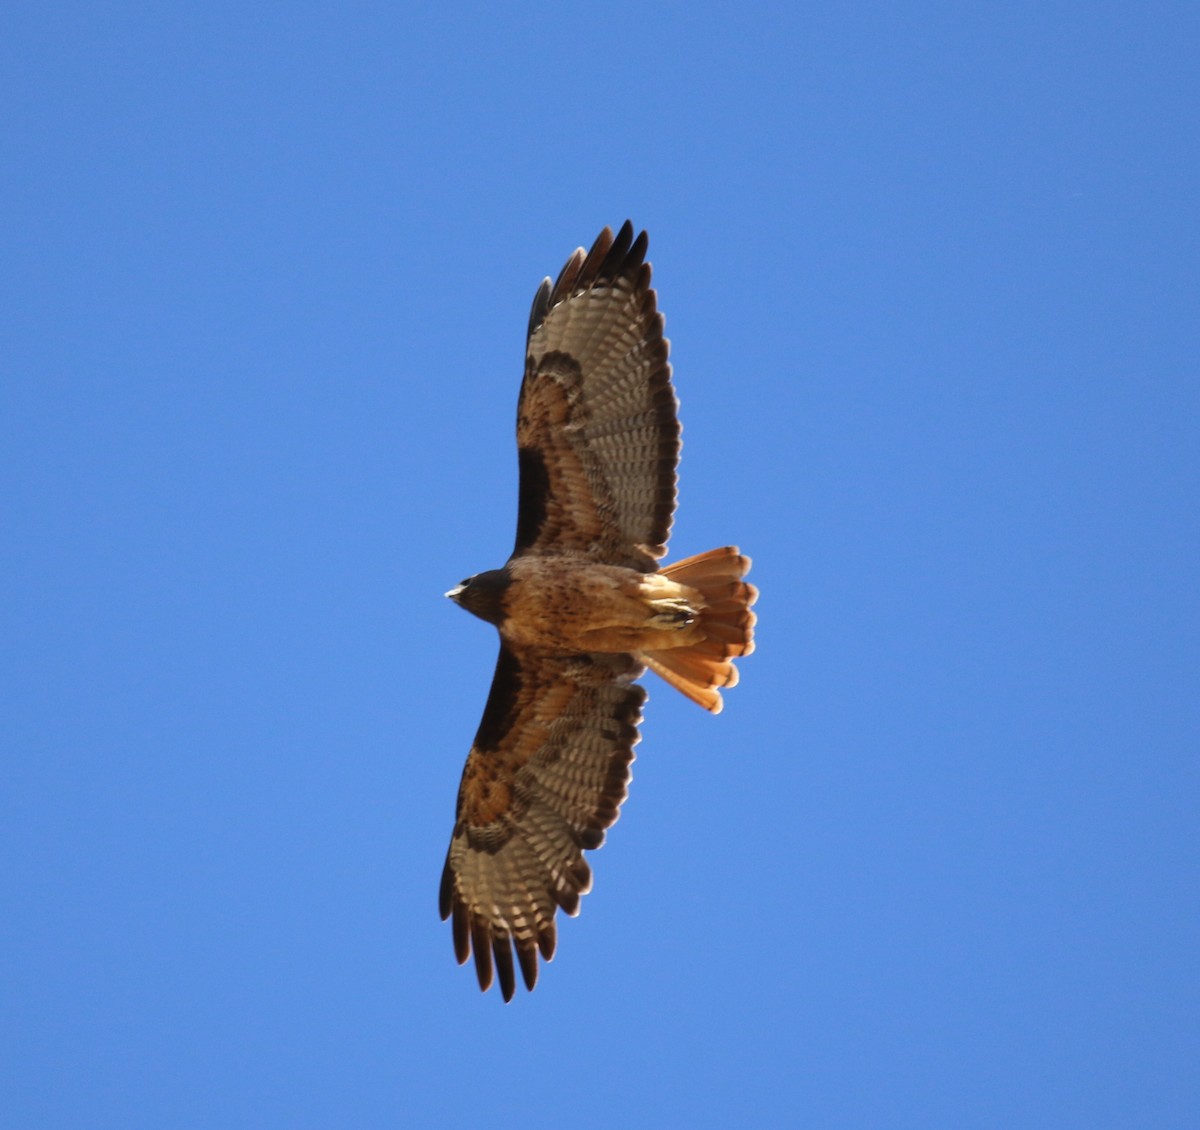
(699, 669)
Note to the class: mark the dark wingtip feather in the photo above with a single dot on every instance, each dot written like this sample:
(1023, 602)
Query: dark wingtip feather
(527, 956)
(589, 269)
(614, 262)
(446, 890)
(481, 943)
(502, 951)
(563, 285)
(541, 305)
(568, 900)
(460, 930)
(637, 254)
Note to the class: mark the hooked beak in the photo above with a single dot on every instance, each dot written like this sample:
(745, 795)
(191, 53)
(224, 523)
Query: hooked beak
(455, 592)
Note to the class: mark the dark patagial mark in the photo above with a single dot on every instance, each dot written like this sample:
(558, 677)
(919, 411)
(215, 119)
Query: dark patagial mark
(533, 497)
(501, 711)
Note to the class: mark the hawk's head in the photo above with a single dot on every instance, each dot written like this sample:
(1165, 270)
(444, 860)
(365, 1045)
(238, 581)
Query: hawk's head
(483, 594)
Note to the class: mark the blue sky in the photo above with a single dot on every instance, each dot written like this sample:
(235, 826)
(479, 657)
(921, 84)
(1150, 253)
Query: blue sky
(930, 274)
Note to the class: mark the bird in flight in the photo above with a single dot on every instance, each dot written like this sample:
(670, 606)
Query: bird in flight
(583, 607)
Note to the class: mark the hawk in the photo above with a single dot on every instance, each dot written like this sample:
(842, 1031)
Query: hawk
(583, 608)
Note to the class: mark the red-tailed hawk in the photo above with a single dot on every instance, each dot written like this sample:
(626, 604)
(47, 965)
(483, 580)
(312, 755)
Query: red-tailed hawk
(583, 609)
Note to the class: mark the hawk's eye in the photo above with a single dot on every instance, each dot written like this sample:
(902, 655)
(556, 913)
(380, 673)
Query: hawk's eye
(465, 582)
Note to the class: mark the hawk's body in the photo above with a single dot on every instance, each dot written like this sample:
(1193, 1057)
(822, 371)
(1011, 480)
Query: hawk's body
(582, 609)
(570, 604)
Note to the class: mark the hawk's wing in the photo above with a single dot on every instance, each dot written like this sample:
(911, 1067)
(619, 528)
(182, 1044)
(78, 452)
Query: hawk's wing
(545, 776)
(597, 430)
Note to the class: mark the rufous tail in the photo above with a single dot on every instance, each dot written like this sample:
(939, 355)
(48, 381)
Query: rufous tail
(700, 669)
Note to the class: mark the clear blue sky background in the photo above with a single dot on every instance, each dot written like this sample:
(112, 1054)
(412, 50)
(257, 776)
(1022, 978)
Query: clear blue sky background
(930, 273)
